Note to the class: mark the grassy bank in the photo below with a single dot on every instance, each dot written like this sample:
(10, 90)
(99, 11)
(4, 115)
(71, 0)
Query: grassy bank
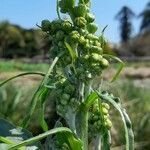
(12, 66)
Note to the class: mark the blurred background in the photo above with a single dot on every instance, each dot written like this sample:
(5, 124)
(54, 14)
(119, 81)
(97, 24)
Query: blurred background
(23, 47)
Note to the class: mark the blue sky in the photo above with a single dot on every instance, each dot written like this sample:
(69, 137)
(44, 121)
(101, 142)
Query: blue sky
(29, 12)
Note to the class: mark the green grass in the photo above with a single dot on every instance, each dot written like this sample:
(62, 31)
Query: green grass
(12, 66)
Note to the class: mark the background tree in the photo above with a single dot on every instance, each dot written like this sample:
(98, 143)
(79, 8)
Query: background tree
(124, 16)
(16, 41)
(145, 14)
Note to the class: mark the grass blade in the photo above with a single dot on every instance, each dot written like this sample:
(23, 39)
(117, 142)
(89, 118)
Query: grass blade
(44, 94)
(20, 75)
(35, 98)
(119, 68)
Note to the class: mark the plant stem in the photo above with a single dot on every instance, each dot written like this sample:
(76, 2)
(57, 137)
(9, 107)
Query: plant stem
(98, 143)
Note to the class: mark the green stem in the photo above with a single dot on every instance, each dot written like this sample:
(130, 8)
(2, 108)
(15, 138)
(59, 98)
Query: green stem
(98, 143)
(84, 122)
(57, 9)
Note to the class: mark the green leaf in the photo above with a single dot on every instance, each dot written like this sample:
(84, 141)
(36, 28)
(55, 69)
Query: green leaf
(119, 68)
(70, 140)
(20, 75)
(90, 99)
(126, 121)
(44, 93)
(71, 51)
(35, 98)
(40, 136)
(4, 146)
(10, 135)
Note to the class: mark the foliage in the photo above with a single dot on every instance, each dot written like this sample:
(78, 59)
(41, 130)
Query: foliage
(18, 42)
(145, 25)
(83, 111)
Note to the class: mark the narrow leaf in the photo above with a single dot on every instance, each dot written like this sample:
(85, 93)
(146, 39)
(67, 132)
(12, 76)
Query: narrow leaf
(39, 137)
(71, 51)
(22, 74)
(126, 121)
(35, 97)
(90, 99)
(119, 68)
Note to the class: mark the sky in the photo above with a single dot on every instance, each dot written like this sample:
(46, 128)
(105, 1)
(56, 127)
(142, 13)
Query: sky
(27, 13)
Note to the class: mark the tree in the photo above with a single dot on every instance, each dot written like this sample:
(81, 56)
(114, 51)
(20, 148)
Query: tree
(145, 14)
(10, 39)
(124, 16)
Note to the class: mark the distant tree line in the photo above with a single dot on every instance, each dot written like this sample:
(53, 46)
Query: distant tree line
(125, 16)
(16, 42)
(19, 42)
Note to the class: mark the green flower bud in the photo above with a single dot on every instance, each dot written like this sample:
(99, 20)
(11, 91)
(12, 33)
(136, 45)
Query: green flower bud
(90, 17)
(96, 43)
(106, 117)
(66, 96)
(80, 10)
(70, 3)
(95, 49)
(82, 40)
(87, 44)
(74, 35)
(86, 57)
(56, 25)
(45, 25)
(80, 22)
(60, 35)
(92, 37)
(105, 111)
(67, 26)
(92, 28)
(82, 31)
(60, 109)
(65, 5)
(96, 57)
(104, 63)
(105, 105)
(108, 124)
(95, 117)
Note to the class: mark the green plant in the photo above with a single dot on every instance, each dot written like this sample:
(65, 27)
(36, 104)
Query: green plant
(83, 111)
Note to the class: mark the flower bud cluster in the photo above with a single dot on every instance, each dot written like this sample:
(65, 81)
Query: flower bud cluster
(79, 33)
(65, 95)
(99, 118)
